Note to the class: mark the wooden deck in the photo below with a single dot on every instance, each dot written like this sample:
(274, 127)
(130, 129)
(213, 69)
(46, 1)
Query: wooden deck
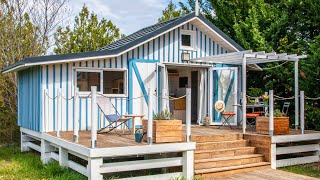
(269, 174)
(122, 139)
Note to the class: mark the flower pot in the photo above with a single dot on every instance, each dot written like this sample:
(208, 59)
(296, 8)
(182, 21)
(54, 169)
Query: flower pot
(280, 125)
(164, 131)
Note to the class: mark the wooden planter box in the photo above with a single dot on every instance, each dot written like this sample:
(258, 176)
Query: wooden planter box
(280, 125)
(164, 131)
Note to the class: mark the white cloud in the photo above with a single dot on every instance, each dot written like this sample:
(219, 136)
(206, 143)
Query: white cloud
(128, 15)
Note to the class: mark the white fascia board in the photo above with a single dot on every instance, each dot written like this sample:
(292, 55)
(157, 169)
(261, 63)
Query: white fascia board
(219, 35)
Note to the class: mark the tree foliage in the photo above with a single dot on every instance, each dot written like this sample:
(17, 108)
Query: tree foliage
(171, 11)
(271, 25)
(87, 34)
(24, 32)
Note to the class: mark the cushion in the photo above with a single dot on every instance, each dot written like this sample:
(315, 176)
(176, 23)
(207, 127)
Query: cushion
(251, 115)
(113, 117)
(228, 113)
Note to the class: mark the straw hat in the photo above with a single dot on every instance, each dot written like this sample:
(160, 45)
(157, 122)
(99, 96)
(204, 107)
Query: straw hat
(219, 106)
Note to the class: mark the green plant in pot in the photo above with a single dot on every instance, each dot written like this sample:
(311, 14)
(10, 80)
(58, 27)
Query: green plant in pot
(277, 113)
(163, 115)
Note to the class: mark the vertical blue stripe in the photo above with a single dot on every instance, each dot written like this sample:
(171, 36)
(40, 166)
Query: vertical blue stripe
(138, 49)
(104, 63)
(142, 52)
(132, 53)
(179, 44)
(86, 63)
(47, 77)
(67, 96)
(205, 45)
(164, 47)
(169, 46)
(87, 114)
(98, 63)
(92, 63)
(159, 48)
(153, 48)
(121, 61)
(80, 114)
(197, 39)
(116, 62)
(174, 43)
(200, 43)
(210, 52)
(110, 62)
(148, 50)
(54, 100)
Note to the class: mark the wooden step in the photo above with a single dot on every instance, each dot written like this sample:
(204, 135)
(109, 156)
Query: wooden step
(221, 145)
(232, 169)
(228, 161)
(217, 137)
(207, 154)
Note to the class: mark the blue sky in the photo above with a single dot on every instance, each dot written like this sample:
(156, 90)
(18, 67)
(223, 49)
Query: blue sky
(128, 15)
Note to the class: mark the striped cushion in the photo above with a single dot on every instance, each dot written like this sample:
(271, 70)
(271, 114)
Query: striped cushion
(113, 117)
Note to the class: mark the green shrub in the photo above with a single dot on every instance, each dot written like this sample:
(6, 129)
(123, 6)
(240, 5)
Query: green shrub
(163, 115)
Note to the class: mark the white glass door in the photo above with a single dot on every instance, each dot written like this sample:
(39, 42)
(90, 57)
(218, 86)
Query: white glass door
(224, 87)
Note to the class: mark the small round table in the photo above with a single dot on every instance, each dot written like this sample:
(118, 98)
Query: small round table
(133, 116)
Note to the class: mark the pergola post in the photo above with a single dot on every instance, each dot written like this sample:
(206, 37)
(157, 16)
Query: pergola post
(244, 94)
(296, 93)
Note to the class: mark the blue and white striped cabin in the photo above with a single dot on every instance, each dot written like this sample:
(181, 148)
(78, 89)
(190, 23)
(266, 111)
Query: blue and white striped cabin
(153, 57)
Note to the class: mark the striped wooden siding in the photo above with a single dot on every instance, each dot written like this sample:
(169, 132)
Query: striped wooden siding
(165, 48)
(30, 98)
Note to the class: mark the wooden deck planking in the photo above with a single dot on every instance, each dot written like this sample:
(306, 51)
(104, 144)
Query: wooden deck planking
(121, 139)
(268, 174)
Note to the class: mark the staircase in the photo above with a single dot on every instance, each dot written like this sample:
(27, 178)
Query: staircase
(221, 154)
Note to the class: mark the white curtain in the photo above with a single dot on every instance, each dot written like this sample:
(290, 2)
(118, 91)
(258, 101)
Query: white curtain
(202, 96)
(165, 102)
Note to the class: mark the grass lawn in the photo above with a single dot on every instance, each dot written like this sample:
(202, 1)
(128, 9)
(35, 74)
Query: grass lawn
(17, 165)
(312, 170)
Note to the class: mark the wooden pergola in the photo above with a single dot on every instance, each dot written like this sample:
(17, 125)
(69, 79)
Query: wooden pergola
(250, 59)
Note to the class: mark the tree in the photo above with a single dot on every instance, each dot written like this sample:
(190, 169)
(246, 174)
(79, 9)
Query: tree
(21, 36)
(88, 34)
(170, 12)
(283, 26)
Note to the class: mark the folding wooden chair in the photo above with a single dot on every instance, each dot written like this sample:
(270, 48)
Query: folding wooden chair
(115, 121)
(251, 120)
(226, 117)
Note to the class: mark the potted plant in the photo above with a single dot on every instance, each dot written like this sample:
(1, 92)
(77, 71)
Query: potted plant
(165, 128)
(280, 123)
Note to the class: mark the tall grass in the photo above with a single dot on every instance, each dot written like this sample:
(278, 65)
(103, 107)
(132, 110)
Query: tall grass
(17, 165)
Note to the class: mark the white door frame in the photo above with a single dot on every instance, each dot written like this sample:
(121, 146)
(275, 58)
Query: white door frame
(235, 94)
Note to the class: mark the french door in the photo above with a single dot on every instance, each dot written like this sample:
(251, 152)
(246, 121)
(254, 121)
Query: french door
(224, 86)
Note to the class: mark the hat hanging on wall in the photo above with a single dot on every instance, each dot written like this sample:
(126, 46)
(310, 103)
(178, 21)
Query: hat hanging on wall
(219, 106)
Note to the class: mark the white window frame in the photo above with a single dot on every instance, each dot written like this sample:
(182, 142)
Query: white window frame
(101, 70)
(192, 35)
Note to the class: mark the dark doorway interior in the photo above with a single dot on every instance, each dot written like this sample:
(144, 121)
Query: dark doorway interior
(194, 97)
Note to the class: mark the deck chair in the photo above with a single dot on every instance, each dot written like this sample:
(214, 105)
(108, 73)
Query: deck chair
(285, 107)
(115, 120)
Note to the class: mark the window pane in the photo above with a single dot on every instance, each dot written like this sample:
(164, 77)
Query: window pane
(186, 40)
(113, 82)
(87, 79)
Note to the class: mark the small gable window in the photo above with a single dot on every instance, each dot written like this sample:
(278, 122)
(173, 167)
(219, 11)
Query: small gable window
(187, 40)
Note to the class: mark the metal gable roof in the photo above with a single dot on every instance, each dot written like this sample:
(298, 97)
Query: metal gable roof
(121, 45)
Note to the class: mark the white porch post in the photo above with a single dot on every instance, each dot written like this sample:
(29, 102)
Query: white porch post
(150, 116)
(59, 112)
(296, 93)
(76, 116)
(302, 111)
(94, 116)
(271, 102)
(244, 93)
(188, 114)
